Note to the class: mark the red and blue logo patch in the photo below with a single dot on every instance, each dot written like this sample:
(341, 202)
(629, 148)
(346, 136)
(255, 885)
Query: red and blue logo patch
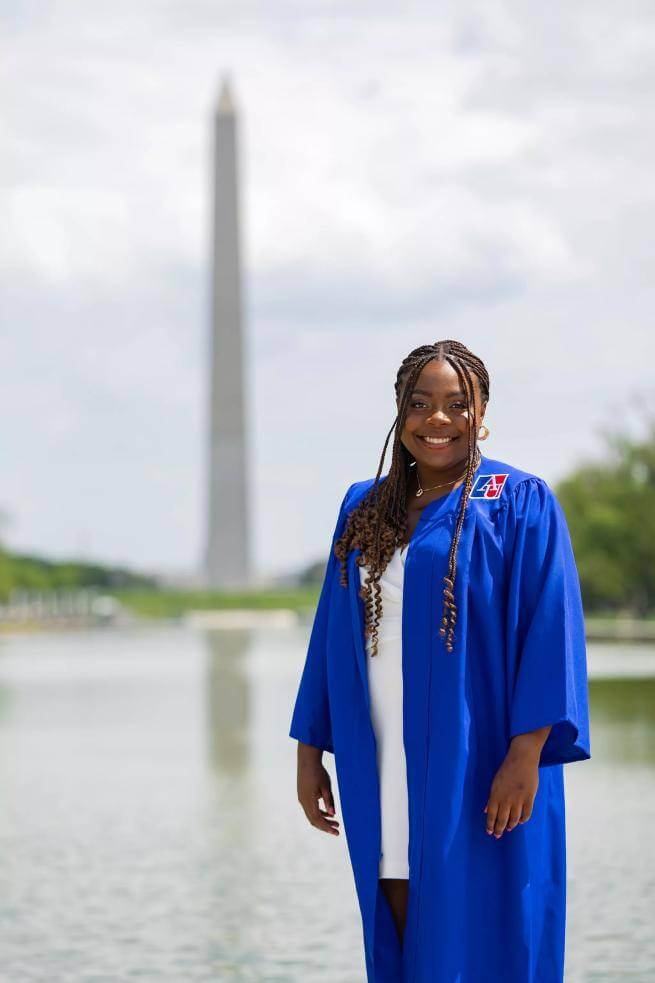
(488, 485)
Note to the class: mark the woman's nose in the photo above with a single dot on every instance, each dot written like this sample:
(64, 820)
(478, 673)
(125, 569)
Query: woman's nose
(438, 415)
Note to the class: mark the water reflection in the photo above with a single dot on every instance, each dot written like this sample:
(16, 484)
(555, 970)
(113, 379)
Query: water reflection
(228, 700)
(150, 826)
(623, 720)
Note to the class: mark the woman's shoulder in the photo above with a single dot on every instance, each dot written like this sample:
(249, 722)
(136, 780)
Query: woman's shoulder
(523, 497)
(496, 479)
(513, 471)
(357, 490)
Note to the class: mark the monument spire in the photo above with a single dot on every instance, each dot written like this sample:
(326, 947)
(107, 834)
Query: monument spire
(227, 547)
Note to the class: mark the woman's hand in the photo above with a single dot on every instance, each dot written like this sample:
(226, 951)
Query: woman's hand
(515, 784)
(314, 784)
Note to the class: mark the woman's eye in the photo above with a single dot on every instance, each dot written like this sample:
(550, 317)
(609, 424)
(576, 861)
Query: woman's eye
(418, 404)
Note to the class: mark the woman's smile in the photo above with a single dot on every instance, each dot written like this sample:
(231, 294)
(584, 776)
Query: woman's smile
(436, 443)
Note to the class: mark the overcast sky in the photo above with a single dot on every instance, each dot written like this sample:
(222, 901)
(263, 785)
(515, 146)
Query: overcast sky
(478, 171)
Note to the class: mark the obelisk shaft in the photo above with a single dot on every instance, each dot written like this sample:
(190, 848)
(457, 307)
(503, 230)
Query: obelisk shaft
(227, 553)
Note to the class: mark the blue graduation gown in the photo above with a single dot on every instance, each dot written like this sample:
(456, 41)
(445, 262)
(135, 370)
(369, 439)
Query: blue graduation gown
(480, 908)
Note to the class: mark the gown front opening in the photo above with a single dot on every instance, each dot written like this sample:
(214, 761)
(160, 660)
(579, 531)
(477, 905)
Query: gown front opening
(385, 679)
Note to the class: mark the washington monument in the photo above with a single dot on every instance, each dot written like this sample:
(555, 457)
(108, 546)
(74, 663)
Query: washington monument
(226, 563)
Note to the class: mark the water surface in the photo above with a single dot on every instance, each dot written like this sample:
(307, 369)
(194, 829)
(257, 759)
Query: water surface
(149, 828)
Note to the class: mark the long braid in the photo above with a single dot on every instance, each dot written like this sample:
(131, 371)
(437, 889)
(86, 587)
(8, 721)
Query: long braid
(378, 525)
(449, 615)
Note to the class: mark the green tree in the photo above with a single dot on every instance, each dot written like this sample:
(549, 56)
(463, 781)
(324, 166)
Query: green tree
(610, 509)
(5, 562)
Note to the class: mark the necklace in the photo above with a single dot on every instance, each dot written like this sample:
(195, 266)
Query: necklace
(476, 461)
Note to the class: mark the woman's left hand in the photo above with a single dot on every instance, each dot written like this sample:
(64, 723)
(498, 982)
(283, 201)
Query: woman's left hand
(514, 788)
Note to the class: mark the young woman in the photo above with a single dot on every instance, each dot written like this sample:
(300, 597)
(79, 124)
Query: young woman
(446, 673)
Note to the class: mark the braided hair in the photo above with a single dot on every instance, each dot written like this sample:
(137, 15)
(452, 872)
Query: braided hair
(378, 524)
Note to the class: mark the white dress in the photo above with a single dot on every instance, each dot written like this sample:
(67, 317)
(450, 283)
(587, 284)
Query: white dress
(385, 680)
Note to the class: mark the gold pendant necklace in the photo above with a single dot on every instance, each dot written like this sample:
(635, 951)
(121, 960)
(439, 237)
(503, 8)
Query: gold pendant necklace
(476, 461)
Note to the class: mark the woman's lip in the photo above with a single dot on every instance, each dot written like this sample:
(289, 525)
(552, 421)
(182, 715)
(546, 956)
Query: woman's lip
(436, 447)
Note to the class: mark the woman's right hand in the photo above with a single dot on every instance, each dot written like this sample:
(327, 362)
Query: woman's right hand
(314, 784)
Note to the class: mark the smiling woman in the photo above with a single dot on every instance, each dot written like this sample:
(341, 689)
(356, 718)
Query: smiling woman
(435, 443)
(446, 741)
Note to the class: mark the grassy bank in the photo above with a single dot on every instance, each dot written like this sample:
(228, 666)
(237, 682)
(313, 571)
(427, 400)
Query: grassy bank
(173, 604)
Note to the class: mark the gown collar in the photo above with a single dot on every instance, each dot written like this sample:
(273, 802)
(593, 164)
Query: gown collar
(450, 502)
(438, 508)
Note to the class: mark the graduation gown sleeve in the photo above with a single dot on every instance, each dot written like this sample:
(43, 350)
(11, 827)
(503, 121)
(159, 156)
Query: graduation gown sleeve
(545, 626)
(310, 722)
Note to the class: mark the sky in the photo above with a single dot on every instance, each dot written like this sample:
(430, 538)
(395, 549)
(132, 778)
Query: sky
(479, 171)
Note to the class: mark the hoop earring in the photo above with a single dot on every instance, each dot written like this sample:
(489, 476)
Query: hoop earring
(486, 433)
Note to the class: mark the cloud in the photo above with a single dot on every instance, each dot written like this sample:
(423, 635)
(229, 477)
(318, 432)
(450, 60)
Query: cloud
(482, 174)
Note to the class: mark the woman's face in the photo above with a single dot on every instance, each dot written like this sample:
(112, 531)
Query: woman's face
(437, 409)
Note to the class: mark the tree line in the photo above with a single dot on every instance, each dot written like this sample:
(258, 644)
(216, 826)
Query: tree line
(27, 572)
(610, 509)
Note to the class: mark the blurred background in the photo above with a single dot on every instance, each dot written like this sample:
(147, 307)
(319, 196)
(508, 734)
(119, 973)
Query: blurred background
(223, 228)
